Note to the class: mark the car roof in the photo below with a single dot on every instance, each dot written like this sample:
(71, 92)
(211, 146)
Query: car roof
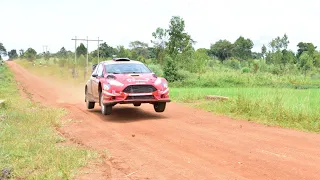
(121, 61)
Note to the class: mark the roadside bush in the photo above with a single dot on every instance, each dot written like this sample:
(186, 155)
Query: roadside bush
(62, 62)
(156, 68)
(95, 60)
(170, 69)
(149, 61)
(244, 64)
(184, 74)
(275, 70)
(255, 67)
(245, 70)
(233, 63)
(141, 59)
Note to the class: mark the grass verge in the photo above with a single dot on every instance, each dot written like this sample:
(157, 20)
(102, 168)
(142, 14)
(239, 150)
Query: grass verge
(30, 146)
(284, 107)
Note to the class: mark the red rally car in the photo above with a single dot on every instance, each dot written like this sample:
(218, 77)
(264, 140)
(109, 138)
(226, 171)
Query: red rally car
(125, 81)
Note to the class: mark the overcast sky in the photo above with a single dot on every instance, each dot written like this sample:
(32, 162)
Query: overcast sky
(34, 23)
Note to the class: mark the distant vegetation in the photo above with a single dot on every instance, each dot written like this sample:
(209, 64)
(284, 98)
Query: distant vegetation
(172, 54)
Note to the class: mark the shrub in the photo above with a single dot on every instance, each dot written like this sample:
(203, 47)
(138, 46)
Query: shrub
(95, 60)
(235, 64)
(184, 74)
(62, 62)
(156, 68)
(244, 64)
(275, 70)
(255, 67)
(245, 70)
(170, 69)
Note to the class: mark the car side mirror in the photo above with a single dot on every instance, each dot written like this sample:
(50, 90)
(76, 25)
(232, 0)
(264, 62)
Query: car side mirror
(94, 67)
(94, 75)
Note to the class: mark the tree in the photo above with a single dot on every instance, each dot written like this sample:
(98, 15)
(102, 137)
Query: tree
(140, 48)
(123, 53)
(62, 54)
(3, 51)
(263, 51)
(287, 57)
(170, 69)
(159, 43)
(201, 59)
(81, 50)
(185, 59)
(152, 52)
(302, 47)
(12, 54)
(316, 59)
(256, 55)
(274, 58)
(242, 48)
(306, 62)
(105, 51)
(30, 54)
(222, 49)
(279, 43)
(178, 38)
(21, 52)
(285, 41)
(46, 55)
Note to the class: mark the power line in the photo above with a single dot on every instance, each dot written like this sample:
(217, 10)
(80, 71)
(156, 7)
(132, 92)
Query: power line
(75, 49)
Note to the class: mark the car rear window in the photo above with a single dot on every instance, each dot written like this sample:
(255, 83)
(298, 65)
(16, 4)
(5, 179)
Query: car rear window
(126, 68)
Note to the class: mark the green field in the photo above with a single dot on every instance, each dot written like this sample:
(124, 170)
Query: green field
(30, 146)
(292, 108)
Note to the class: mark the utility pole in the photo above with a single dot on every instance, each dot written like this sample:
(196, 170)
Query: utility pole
(86, 69)
(75, 47)
(45, 46)
(44, 53)
(75, 50)
(98, 50)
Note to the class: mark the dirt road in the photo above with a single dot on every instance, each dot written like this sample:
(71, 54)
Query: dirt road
(181, 143)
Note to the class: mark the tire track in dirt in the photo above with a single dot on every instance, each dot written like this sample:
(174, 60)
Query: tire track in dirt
(181, 143)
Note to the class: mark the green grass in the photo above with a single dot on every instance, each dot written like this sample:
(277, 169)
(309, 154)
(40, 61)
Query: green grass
(291, 108)
(29, 143)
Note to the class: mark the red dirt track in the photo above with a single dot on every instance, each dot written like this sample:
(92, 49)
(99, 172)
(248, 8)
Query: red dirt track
(181, 143)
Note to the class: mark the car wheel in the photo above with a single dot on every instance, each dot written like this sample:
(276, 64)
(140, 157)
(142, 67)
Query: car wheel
(90, 105)
(137, 104)
(159, 106)
(105, 109)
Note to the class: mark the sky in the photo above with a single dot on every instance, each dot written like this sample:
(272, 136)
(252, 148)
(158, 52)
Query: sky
(35, 23)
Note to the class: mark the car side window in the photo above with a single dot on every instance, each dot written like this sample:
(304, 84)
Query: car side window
(100, 70)
(95, 70)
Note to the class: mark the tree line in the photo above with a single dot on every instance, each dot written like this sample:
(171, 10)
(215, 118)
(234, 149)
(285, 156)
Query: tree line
(172, 48)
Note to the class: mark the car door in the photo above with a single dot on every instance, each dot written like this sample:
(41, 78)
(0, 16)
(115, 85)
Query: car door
(96, 80)
(91, 83)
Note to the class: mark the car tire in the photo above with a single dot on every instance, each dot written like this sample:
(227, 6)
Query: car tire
(159, 106)
(90, 105)
(137, 104)
(105, 109)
